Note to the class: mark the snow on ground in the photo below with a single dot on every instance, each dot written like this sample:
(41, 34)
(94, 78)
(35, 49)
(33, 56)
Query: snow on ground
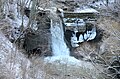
(28, 3)
(98, 4)
(74, 24)
(10, 58)
(13, 14)
(69, 60)
(101, 3)
(15, 64)
(18, 21)
(85, 10)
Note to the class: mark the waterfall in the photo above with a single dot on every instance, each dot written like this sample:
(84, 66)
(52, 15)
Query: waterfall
(59, 47)
(60, 50)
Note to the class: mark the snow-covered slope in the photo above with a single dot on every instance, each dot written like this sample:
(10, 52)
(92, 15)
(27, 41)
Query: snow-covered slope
(15, 65)
(11, 59)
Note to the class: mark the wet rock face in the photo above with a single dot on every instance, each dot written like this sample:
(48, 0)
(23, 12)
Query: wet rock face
(68, 34)
(37, 43)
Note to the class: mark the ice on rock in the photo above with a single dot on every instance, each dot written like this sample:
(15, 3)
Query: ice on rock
(92, 34)
(81, 39)
(85, 36)
(74, 41)
(88, 35)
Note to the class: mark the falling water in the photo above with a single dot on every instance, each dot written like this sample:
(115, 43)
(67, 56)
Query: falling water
(59, 48)
(61, 53)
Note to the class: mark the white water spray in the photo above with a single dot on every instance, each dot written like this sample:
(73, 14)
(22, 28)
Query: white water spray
(60, 50)
(59, 47)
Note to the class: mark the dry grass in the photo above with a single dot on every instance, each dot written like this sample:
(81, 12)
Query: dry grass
(64, 71)
(102, 52)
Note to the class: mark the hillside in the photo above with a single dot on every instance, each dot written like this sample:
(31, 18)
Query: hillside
(39, 41)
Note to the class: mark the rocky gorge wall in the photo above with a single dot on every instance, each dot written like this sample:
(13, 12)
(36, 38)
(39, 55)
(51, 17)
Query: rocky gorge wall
(15, 64)
(106, 42)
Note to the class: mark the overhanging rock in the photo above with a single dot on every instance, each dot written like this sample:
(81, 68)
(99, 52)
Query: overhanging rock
(81, 24)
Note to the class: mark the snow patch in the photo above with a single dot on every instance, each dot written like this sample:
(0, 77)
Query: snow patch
(28, 3)
(92, 34)
(85, 10)
(89, 35)
(68, 60)
(75, 22)
(11, 58)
